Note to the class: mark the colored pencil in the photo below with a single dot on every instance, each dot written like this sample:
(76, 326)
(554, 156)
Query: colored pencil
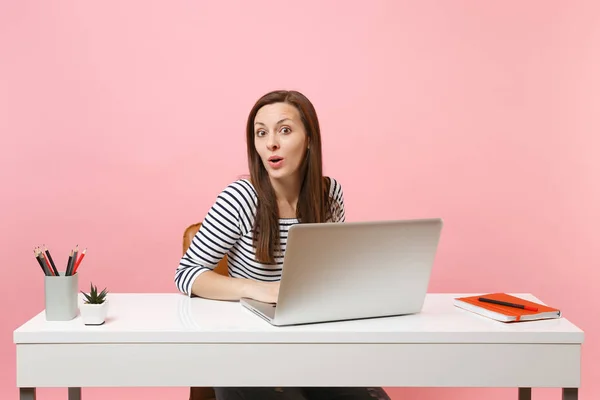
(50, 260)
(79, 261)
(39, 260)
(68, 271)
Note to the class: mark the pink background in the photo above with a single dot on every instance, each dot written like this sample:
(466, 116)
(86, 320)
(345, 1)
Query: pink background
(121, 121)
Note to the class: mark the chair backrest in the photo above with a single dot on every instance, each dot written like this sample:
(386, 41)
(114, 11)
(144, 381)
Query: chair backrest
(188, 236)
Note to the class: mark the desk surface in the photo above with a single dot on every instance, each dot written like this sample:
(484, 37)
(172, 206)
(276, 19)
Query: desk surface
(175, 318)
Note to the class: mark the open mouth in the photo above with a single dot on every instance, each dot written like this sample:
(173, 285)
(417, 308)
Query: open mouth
(276, 162)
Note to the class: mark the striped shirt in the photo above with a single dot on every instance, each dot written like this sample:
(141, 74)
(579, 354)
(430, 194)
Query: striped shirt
(227, 230)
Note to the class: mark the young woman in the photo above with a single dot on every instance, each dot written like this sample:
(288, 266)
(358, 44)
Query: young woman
(250, 219)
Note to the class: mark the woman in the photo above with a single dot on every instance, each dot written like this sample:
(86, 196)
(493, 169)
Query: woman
(250, 219)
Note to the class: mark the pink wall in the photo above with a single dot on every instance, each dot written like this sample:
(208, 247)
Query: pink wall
(120, 123)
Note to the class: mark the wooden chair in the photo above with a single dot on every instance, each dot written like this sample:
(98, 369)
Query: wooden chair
(202, 393)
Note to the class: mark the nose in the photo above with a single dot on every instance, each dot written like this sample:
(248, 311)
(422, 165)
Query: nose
(272, 142)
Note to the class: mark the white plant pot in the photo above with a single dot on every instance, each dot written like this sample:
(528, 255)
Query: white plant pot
(93, 314)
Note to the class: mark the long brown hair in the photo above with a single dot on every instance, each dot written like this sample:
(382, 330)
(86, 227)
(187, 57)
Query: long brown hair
(313, 200)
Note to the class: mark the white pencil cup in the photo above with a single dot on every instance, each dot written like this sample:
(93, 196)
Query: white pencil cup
(61, 297)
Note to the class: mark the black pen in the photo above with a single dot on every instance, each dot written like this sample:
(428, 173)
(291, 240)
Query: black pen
(505, 303)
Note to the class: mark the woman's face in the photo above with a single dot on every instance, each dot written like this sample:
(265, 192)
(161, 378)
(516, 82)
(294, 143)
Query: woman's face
(280, 140)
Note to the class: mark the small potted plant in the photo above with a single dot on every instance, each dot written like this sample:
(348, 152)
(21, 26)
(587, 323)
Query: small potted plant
(94, 307)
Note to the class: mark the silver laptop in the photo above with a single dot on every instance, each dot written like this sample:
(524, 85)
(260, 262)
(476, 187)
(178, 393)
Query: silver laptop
(353, 270)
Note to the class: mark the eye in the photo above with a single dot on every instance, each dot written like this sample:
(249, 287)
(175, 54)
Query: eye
(260, 133)
(285, 129)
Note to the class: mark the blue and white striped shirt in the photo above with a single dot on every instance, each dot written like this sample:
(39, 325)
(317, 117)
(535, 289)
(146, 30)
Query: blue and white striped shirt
(227, 230)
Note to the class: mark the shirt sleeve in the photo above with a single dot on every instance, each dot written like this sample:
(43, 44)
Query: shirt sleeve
(222, 227)
(338, 211)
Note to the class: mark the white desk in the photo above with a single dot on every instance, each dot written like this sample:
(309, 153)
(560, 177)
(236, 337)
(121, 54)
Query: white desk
(171, 340)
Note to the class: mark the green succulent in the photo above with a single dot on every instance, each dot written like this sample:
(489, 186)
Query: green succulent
(94, 297)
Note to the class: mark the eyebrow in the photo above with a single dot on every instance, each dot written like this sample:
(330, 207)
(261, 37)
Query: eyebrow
(278, 122)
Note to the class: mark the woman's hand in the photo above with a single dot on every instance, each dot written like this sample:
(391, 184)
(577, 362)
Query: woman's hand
(211, 285)
(266, 292)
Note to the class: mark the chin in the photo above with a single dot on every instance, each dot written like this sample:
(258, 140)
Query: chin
(279, 175)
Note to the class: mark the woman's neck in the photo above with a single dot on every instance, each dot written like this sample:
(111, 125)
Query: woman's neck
(286, 193)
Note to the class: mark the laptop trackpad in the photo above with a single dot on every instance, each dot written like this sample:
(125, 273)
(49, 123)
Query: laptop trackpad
(267, 309)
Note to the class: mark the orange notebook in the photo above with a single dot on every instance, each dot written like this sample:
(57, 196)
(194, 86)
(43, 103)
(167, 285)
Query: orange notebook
(506, 313)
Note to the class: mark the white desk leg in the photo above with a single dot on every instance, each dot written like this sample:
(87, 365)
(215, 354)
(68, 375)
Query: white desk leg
(570, 393)
(74, 393)
(524, 393)
(26, 393)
